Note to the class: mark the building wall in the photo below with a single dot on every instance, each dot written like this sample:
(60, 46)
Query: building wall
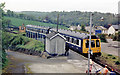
(104, 31)
(57, 45)
(47, 47)
(111, 30)
(20, 29)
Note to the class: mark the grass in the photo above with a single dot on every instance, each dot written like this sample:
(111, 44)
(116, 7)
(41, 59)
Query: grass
(111, 60)
(18, 41)
(19, 22)
(27, 68)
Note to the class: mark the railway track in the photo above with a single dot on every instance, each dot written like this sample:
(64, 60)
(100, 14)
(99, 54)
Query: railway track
(96, 60)
(11, 32)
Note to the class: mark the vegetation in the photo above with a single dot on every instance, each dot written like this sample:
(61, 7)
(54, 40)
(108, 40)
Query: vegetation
(19, 22)
(116, 37)
(73, 17)
(15, 41)
(3, 59)
(102, 37)
(83, 28)
(66, 18)
(111, 60)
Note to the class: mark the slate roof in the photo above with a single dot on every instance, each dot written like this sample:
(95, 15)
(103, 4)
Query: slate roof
(73, 33)
(115, 26)
(51, 35)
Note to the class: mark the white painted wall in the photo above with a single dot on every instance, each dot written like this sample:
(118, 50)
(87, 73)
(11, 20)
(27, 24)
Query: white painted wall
(111, 30)
(104, 31)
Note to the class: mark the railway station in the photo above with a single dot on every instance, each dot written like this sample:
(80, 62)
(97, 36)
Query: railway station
(56, 43)
(43, 37)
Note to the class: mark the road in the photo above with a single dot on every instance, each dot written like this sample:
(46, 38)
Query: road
(112, 47)
(74, 63)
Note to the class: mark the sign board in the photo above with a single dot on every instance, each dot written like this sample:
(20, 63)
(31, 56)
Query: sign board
(98, 32)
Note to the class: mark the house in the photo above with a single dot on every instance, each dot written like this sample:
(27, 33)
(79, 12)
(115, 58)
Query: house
(55, 44)
(103, 29)
(87, 28)
(75, 27)
(113, 29)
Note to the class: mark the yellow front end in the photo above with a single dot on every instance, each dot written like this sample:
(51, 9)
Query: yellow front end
(95, 45)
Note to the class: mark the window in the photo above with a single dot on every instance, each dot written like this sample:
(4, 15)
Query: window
(70, 39)
(92, 43)
(97, 43)
(87, 43)
(67, 38)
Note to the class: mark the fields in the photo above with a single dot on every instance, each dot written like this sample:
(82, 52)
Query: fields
(19, 22)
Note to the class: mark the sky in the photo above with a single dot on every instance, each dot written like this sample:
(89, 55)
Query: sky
(105, 6)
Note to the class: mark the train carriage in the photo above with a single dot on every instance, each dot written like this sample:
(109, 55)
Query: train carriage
(80, 42)
(76, 41)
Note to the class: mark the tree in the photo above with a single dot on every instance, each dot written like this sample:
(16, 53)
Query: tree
(83, 27)
(2, 52)
(2, 5)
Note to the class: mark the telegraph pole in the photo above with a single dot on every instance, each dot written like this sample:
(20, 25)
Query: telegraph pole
(89, 51)
(57, 22)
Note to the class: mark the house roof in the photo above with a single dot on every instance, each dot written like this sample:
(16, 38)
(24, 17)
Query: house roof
(115, 26)
(50, 35)
(54, 34)
(101, 27)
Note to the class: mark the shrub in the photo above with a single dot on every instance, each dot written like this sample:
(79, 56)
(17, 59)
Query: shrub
(115, 37)
(117, 62)
(109, 54)
(102, 37)
(114, 58)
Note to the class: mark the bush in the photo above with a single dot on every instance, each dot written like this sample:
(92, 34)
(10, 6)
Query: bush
(115, 37)
(109, 54)
(117, 62)
(114, 58)
(102, 37)
(4, 59)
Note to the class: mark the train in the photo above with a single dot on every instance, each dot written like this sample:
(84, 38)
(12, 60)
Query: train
(76, 41)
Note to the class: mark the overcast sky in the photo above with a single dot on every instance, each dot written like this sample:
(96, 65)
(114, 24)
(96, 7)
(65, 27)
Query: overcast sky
(62, 5)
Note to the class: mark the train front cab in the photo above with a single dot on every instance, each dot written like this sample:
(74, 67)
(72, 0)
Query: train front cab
(95, 46)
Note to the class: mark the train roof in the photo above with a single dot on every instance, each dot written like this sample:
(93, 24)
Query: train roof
(75, 34)
(35, 26)
(67, 32)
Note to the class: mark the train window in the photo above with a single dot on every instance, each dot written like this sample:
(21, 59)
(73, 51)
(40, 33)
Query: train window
(92, 43)
(87, 43)
(75, 41)
(67, 38)
(70, 39)
(97, 43)
(80, 43)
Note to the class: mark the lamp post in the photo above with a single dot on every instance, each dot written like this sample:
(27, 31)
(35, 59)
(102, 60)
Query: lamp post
(89, 51)
(57, 22)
